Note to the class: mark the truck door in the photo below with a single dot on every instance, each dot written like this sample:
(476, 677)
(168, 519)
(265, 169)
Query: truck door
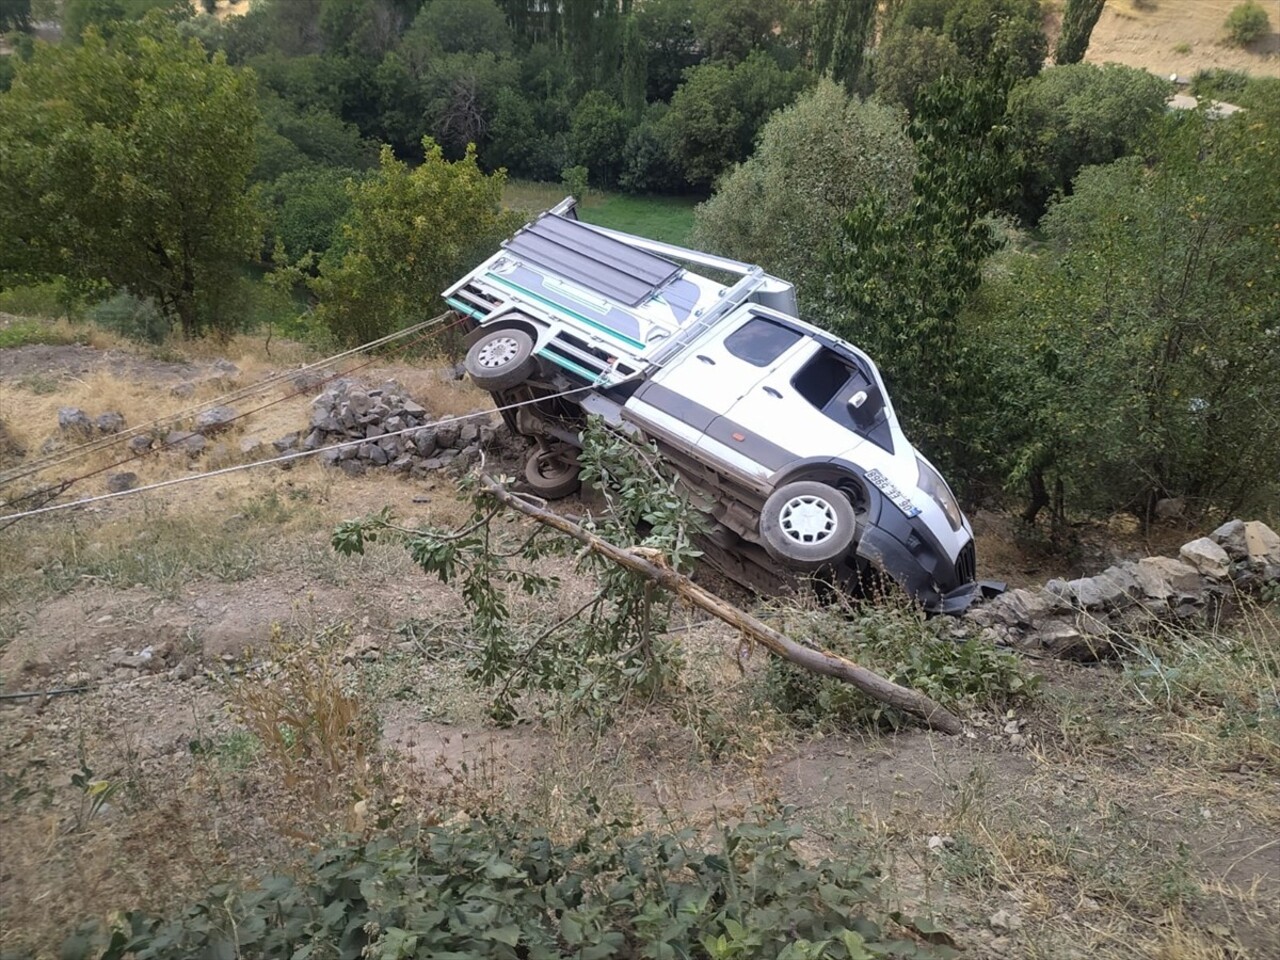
(704, 382)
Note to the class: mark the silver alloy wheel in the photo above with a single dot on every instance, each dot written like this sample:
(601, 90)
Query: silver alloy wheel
(808, 519)
(497, 352)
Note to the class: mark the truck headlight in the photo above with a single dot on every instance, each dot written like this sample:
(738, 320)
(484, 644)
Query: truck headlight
(931, 482)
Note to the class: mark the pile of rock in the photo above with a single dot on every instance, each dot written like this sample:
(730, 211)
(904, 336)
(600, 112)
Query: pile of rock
(1077, 619)
(75, 420)
(384, 427)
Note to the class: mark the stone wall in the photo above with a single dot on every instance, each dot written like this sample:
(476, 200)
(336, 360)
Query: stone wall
(1075, 619)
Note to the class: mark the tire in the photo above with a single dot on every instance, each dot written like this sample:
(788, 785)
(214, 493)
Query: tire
(550, 475)
(808, 525)
(501, 359)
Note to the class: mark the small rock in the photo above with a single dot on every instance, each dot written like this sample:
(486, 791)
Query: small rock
(373, 431)
(140, 444)
(359, 402)
(214, 420)
(251, 446)
(1067, 642)
(226, 367)
(314, 440)
(110, 422)
(377, 455)
(1004, 921)
(353, 468)
(364, 647)
(73, 418)
(120, 482)
(1207, 557)
(468, 434)
(330, 457)
(182, 390)
(286, 443)
(447, 435)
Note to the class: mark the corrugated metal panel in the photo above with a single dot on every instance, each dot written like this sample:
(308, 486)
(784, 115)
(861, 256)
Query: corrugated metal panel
(599, 263)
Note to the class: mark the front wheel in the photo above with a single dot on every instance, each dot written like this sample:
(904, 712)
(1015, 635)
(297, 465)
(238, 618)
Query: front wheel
(501, 359)
(808, 525)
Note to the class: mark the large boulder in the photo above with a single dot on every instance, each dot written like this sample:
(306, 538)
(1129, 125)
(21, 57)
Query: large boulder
(1207, 557)
(1262, 544)
(1230, 537)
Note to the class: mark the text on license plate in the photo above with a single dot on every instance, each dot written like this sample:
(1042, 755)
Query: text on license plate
(890, 490)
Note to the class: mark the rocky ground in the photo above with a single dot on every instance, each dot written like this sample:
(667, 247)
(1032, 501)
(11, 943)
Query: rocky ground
(1132, 810)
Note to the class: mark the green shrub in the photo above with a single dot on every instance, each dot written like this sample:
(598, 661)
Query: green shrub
(36, 300)
(1246, 23)
(24, 332)
(575, 181)
(507, 890)
(902, 645)
(136, 318)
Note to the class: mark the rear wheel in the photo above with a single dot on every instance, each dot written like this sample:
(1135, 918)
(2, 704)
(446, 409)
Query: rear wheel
(501, 359)
(552, 473)
(808, 525)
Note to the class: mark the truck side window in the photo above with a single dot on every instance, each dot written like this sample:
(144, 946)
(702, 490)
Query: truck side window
(820, 380)
(760, 341)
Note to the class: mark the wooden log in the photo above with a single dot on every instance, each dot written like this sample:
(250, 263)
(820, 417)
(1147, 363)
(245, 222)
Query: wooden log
(932, 713)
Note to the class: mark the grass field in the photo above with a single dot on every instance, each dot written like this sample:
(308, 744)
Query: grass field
(669, 219)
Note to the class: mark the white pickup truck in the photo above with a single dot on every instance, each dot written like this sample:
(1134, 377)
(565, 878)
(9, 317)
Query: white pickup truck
(783, 434)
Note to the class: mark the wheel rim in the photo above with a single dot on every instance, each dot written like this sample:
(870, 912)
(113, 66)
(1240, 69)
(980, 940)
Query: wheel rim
(808, 519)
(552, 467)
(497, 352)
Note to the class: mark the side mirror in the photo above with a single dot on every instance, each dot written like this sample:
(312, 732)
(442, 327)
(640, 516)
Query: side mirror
(865, 406)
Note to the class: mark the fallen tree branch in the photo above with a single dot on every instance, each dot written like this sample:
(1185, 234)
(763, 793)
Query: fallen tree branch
(872, 684)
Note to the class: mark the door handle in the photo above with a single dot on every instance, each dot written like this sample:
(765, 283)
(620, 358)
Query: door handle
(772, 392)
(706, 359)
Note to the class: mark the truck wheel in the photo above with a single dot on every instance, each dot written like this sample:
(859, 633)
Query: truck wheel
(552, 475)
(807, 525)
(501, 359)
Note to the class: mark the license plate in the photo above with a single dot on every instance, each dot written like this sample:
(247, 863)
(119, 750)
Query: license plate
(890, 490)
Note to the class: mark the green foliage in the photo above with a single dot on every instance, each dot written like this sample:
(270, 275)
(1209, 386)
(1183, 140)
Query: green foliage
(910, 59)
(410, 233)
(1078, 21)
(1138, 356)
(1075, 116)
(575, 181)
(717, 112)
(128, 164)
(290, 137)
(24, 332)
(816, 161)
(613, 644)
(504, 889)
(597, 136)
(103, 15)
(1246, 23)
(307, 208)
(1003, 38)
(732, 30)
(464, 26)
(667, 29)
(901, 645)
(902, 280)
(648, 164)
(51, 299)
(843, 30)
(1235, 86)
(134, 318)
(15, 15)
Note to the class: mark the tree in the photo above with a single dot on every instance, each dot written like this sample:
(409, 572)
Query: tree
(667, 29)
(901, 281)
(648, 163)
(910, 59)
(78, 15)
(127, 162)
(411, 232)
(732, 29)
(1002, 37)
(307, 208)
(1138, 356)
(817, 160)
(1070, 117)
(597, 136)
(463, 26)
(843, 30)
(1078, 21)
(717, 111)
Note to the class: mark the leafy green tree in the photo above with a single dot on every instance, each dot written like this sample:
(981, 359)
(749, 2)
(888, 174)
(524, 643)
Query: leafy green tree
(816, 161)
(1078, 21)
(288, 138)
(901, 281)
(410, 233)
(78, 15)
(667, 29)
(648, 163)
(843, 31)
(1071, 117)
(1139, 356)
(1002, 37)
(306, 209)
(717, 111)
(733, 29)
(910, 59)
(463, 26)
(126, 162)
(597, 136)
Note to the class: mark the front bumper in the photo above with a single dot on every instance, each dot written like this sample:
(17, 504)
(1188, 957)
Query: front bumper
(924, 573)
